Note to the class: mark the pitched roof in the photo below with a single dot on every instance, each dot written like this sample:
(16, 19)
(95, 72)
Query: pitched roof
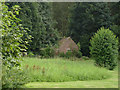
(66, 44)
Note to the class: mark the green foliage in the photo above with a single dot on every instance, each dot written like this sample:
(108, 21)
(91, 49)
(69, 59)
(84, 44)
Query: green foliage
(13, 78)
(61, 54)
(116, 30)
(61, 70)
(37, 16)
(85, 58)
(104, 48)
(70, 54)
(78, 53)
(13, 45)
(12, 32)
(47, 52)
(86, 18)
(30, 54)
(61, 13)
(115, 10)
(74, 53)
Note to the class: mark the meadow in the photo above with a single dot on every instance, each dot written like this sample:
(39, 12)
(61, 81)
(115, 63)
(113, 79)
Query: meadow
(64, 73)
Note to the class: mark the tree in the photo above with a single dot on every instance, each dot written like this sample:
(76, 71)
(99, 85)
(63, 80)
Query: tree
(104, 48)
(38, 18)
(61, 13)
(13, 45)
(12, 32)
(115, 12)
(85, 21)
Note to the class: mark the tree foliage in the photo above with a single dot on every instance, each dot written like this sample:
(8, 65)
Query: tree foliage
(38, 18)
(12, 32)
(104, 48)
(85, 21)
(61, 13)
(13, 47)
(115, 12)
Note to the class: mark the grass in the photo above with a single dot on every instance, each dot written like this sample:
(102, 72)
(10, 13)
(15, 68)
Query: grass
(59, 70)
(106, 83)
(57, 66)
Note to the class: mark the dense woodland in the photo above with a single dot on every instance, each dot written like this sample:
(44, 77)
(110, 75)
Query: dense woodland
(33, 27)
(48, 22)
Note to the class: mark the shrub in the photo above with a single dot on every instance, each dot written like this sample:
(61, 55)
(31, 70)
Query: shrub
(47, 52)
(30, 54)
(13, 78)
(77, 54)
(61, 54)
(68, 54)
(85, 58)
(104, 48)
(73, 53)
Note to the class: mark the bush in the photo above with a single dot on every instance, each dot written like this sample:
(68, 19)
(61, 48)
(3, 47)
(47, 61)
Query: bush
(68, 54)
(85, 58)
(47, 52)
(13, 78)
(73, 53)
(104, 48)
(77, 54)
(30, 54)
(61, 54)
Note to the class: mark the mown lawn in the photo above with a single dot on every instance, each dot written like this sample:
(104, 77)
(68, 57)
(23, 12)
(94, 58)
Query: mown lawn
(63, 73)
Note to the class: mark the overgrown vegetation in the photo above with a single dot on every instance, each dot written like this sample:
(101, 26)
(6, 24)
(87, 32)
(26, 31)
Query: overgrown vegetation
(13, 78)
(47, 52)
(104, 48)
(61, 70)
(13, 47)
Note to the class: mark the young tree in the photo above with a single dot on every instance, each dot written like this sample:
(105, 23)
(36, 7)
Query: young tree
(104, 48)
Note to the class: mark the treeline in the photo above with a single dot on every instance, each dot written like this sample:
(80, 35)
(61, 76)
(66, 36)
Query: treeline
(48, 22)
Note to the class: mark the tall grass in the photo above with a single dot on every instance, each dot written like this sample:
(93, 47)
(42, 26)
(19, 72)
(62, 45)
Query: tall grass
(59, 70)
